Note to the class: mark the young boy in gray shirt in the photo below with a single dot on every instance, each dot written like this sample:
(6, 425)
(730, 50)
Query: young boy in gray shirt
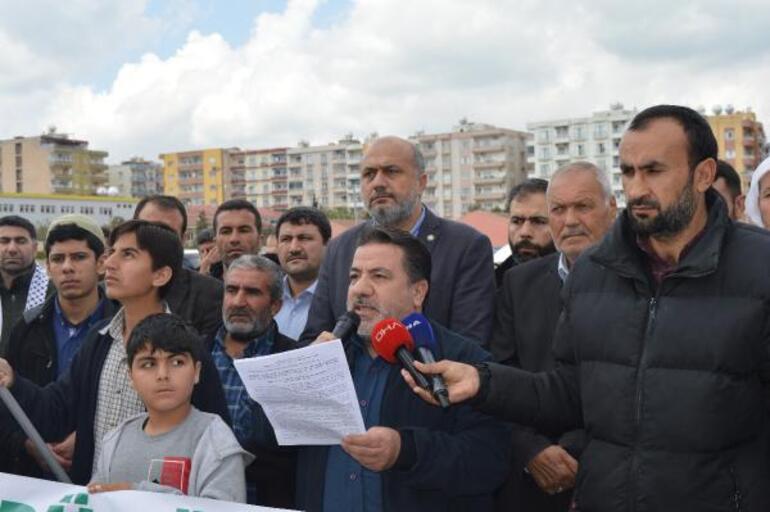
(173, 447)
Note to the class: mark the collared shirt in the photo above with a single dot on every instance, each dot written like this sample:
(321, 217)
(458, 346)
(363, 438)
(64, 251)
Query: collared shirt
(116, 398)
(348, 485)
(660, 268)
(69, 336)
(241, 407)
(562, 268)
(292, 317)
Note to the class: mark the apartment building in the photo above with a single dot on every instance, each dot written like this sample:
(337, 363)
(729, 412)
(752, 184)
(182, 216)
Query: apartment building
(51, 163)
(472, 167)
(741, 139)
(197, 177)
(595, 138)
(135, 178)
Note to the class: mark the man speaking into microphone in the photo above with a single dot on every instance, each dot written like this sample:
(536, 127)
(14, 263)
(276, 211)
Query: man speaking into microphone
(413, 456)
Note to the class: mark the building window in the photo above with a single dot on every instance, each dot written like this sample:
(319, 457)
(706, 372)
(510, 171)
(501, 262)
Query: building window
(729, 134)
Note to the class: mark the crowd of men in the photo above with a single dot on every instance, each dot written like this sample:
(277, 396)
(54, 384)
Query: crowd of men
(618, 360)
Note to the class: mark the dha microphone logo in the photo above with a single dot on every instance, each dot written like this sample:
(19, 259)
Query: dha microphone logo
(384, 330)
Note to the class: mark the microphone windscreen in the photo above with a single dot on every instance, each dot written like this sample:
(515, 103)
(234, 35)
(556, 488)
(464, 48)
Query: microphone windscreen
(420, 330)
(388, 336)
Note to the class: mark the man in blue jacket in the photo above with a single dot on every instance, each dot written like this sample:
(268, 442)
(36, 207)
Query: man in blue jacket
(412, 456)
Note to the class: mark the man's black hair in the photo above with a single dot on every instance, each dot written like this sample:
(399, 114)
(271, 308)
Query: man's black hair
(167, 332)
(64, 232)
(164, 203)
(239, 204)
(19, 222)
(306, 215)
(417, 260)
(160, 241)
(731, 177)
(525, 188)
(700, 139)
(203, 236)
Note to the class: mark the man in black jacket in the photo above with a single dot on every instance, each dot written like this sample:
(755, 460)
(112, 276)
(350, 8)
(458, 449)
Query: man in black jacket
(412, 457)
(581, 209)
(529, 236)
(663, 342)
(195, 297)
(95, 396)
(393, 178)
(253, 291)
(46, 339)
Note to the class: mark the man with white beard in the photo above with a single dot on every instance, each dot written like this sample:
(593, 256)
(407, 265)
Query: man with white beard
(253, 291)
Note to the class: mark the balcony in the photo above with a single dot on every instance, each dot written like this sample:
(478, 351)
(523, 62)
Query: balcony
(488, 164)
(490, 178)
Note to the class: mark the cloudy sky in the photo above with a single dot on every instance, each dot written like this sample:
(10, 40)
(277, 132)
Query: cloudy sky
(139, 77)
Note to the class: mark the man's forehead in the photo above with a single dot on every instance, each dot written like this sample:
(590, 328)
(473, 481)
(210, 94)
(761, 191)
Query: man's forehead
(660, 137)
(71, 245)
(246, 277)
(127, 241)
(232, 218)
(574, 185)
(372, 256)
(525, 204)
(303, 227)
(13, 232)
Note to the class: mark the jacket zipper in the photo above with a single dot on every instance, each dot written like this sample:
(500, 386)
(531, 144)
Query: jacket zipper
(652, 308)
(737, 498)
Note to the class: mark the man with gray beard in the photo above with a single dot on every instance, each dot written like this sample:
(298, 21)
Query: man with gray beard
(393, 178)
(253, 291)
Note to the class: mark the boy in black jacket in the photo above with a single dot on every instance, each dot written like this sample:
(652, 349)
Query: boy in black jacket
(96, 394)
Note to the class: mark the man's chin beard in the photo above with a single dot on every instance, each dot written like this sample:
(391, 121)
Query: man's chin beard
(244, 336)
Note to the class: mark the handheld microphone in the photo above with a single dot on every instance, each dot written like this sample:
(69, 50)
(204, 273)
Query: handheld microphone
(422, 334)
(392, 342)
(346, 325)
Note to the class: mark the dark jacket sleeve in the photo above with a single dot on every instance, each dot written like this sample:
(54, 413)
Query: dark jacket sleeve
(473, 298)
(548, 401)
(471, 458)
(321, 315)
(208, 305)
(52, 408)
(208, 395)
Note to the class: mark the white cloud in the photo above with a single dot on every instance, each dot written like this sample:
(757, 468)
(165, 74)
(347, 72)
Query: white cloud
(395, 66)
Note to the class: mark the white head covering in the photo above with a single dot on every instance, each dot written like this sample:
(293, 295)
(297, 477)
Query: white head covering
(752, 198)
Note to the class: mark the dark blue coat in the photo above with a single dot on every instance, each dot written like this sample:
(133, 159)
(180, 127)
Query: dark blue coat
(462, 281)
(451, 460)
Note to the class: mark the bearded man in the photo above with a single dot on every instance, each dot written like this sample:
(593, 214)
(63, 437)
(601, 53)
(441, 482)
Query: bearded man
(393, 178)
(253, 291)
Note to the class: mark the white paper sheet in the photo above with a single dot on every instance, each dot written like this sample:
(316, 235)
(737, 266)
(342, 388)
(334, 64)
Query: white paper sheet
(307, 394)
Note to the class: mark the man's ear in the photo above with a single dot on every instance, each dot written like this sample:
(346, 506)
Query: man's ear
(100, 264)
(275, 306)
(197, 372)
(419, 292)
(162, 276)
(705, 172)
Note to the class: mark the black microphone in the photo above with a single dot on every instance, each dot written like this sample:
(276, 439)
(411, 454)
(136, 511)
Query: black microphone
(424, 340)
(346, 325)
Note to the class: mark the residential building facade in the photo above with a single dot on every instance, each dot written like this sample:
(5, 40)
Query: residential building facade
(741, 139)
(197, 178)
(51, 163)
(472, 167)
(595, 138)
(41, 209)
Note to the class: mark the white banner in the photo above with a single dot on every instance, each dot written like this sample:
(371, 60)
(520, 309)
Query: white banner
(21, 494)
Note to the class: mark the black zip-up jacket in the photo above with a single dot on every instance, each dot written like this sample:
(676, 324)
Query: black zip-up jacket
(33, 354)
(69, 403)
(669, 381)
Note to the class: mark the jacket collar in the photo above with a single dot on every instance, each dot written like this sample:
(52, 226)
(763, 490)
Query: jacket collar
(620, 252)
